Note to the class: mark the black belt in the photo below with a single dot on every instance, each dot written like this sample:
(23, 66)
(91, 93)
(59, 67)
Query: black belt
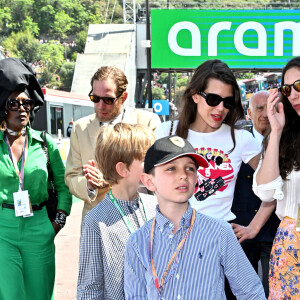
(34, 206)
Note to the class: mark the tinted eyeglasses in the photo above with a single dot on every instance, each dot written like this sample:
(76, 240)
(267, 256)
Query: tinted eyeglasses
(106, 100)
(214, 100)
(286, 89)
(13, 104)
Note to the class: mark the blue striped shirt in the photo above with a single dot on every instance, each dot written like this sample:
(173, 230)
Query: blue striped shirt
(210, 252)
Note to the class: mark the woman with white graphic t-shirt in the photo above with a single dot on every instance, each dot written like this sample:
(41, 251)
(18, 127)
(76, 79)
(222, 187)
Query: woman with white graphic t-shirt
(211, 107)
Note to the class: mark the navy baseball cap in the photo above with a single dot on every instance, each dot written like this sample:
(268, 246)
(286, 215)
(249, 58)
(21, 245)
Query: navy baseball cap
(169, 148)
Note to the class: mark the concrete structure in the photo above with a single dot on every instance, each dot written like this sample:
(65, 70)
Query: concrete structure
(107, 44)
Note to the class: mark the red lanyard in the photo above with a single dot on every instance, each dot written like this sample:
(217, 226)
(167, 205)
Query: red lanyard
(175, 254)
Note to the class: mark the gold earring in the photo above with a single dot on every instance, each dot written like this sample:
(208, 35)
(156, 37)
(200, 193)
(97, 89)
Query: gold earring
(3, 126)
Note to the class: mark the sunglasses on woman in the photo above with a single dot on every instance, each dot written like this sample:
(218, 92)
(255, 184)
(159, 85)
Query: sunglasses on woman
(13, 104)
(286, 89)
(214, 100)
(106, 100)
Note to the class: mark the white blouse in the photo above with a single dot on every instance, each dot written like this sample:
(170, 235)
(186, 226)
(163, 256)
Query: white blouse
(286, 192)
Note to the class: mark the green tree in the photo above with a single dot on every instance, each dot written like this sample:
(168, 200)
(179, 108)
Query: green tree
(74, 56)
(52, 57)
(62, 25)
(55, 18)
(30, 26)
(248, 75)
(10, 45)
(47, 78)
(45, 16)
(163, 78)
(80, 41)
(96, 9)
(158, 93)
(79, 14)
(29, 47)
(182, 81)
(117, 14)
(23, 45)
(19, 10)
(66, 75)
(5, 18)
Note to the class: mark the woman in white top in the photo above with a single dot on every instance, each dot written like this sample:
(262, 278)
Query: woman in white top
(211, 107)
(279, 178)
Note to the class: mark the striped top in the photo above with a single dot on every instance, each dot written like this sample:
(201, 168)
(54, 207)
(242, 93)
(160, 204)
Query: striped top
(102, 246)
(210, 252)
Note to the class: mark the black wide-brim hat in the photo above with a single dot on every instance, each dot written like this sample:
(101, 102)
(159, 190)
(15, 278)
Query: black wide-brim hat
(169, 148)
(16, 75)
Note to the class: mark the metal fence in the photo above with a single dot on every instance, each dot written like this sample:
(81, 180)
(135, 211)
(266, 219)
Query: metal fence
(223, 5)
(141, 9)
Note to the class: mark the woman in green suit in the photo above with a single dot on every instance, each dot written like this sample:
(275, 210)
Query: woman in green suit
(27, 248)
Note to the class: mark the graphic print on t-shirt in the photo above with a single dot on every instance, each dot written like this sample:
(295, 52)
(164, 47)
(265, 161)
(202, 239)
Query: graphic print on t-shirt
(216, 177)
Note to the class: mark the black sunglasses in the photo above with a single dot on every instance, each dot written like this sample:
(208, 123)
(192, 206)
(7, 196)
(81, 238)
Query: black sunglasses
(13, 104)
(106, 100)
(214, 100)
(286, 89)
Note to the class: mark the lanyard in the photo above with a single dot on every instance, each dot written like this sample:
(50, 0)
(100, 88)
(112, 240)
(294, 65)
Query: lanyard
(124, 217)
(175, 254)
(15, 164)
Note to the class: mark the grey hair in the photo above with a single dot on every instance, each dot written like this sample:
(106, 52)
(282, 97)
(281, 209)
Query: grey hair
(258, 94)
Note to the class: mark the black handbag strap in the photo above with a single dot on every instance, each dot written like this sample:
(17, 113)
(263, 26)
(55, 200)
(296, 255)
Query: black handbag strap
(45, 149)
(171, 128)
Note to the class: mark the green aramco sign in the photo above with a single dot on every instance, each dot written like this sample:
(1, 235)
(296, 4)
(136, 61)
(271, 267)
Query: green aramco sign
(242, 38)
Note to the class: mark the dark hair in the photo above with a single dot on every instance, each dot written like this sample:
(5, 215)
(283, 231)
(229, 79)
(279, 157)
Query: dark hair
(210, 69)
(113, 73)
(289, 147)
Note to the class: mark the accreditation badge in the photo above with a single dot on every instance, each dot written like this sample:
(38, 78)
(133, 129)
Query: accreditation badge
(22, 203)
(31, 211)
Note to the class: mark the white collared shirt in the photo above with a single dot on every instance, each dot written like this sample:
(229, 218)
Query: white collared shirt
(117, 120)
(257, 135)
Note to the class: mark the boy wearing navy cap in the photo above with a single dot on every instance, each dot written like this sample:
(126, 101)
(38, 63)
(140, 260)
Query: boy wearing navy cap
(183, 254)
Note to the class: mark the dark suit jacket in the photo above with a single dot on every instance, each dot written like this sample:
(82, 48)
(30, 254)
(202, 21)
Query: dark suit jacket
(246, 204)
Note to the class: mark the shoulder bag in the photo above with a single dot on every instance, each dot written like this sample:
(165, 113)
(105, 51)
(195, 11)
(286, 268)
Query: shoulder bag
(52, 198)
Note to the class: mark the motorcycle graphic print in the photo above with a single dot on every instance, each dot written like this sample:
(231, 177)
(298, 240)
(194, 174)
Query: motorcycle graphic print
(216, 177)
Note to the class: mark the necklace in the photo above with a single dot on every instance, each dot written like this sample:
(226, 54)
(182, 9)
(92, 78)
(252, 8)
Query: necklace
(16, 133)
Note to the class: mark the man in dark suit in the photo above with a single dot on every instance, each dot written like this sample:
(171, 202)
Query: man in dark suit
(246, 204)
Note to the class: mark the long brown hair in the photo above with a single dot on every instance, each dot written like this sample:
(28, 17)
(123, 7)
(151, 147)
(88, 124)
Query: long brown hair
(289, 147)
(210, 69)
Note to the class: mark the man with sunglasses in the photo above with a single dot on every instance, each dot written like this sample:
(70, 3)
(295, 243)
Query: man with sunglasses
(246, 204)
(108, 94)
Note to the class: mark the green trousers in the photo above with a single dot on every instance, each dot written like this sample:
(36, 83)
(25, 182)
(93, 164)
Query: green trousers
(27, 256)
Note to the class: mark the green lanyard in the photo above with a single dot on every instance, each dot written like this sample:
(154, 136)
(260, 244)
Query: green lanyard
(124, 217)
